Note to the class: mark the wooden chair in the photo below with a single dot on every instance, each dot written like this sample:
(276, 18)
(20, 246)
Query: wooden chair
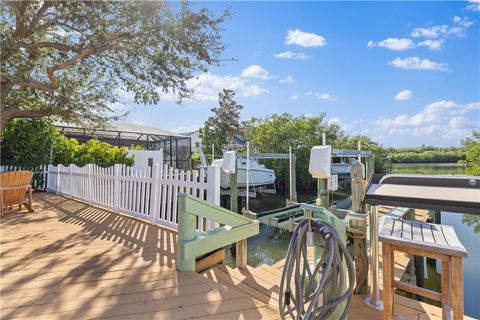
(429, 240)
(14, 186)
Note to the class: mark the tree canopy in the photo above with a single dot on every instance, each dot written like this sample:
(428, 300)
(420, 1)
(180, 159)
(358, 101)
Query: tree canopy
(72, 59)
(219, 128)
(277, 132)
(472, 153)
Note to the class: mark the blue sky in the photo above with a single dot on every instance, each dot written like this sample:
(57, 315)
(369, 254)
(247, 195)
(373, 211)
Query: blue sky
(404, 73)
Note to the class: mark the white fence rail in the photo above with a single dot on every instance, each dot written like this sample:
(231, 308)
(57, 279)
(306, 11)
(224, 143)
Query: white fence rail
(146, 193)
(39, 174)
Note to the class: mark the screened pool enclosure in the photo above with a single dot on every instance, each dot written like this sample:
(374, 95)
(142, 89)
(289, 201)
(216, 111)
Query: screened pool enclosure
(177, 148)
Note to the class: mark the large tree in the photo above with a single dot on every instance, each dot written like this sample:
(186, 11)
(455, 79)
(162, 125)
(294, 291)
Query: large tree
(219, 128)
(472, 152)
(72, 59)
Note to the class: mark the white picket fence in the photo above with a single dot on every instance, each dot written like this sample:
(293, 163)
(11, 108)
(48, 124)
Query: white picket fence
(146, 193)
(39, 174)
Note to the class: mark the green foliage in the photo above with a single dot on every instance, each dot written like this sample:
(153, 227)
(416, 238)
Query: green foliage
(195, 158)
(93, 151)
(277, 132)
(472, 220)
(136, 147)
(219, 129)
(379, 153)
(472, 153)
(73, 58)
(426, 154)
(27, 143)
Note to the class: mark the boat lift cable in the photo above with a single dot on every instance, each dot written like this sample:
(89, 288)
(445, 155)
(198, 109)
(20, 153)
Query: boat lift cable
(301, 297)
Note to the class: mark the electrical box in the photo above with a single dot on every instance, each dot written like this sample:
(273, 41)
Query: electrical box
(320, 165)
(229, 162)
(332, 183)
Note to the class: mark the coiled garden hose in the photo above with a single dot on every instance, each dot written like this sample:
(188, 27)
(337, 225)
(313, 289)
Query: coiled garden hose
(300, 297)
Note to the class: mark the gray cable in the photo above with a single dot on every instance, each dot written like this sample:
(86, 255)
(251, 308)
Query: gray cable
(302, 300)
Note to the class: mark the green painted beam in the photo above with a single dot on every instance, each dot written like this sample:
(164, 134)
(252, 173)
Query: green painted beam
(218, 238)
(206, 210)
(192, 244)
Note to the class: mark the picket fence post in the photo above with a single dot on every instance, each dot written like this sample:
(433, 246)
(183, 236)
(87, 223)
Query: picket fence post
(70, 180)
(213, 185)
(116, 187)
(155, 193)
(89, 184)
(58, 178)
(213, 190)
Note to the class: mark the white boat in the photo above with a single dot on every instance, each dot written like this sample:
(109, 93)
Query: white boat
(259, 174)
(341, 168)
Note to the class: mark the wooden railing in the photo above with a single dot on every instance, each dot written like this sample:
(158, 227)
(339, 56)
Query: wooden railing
(192, 244)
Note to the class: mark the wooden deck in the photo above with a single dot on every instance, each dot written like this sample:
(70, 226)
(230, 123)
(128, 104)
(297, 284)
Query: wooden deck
(73, 261)
(70, 260)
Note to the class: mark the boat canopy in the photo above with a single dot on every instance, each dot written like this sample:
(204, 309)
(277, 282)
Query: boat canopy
(460, 194)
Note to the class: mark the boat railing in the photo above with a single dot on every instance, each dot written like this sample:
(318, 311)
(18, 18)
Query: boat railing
(191, 244)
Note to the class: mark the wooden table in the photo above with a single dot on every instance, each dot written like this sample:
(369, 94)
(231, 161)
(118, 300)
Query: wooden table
(428, 240)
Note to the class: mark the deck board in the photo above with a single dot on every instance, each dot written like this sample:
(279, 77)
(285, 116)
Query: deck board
(70, 260)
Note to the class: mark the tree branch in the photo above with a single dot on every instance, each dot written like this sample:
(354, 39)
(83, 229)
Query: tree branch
(27, 83)
(40, 13)
(20, 19)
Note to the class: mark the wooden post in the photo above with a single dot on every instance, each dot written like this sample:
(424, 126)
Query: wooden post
(241, 254)
(186, 232)
(388, 297)
(233, 192)
(457, 288)
(116, 187)
(322, 193)
(293, 178)
(155, 193)
(446, 296)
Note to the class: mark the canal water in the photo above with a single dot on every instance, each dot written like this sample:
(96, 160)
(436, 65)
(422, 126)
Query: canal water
(272, 245)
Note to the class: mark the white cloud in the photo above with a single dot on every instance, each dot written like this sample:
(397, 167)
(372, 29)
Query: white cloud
(474, 5)
(459, 28)
(342, 124)
(295, 97)
(291, 55)
(445, 122)
(207, 86)
(256, 71)
(464, 22)
(435, 113)
(432, 44)
(393, 44)
(431, 32)
(117, 107)
(321, 96)
(185, 129)
(461, 122)
(304, 39)
(288, 79)
(415, 63)
(404, 95)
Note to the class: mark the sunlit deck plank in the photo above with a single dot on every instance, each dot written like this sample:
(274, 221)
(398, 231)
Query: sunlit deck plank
(72, 260)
